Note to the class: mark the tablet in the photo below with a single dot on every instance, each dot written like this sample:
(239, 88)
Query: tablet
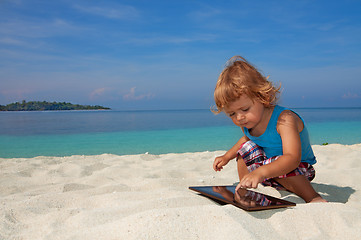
(245, 199)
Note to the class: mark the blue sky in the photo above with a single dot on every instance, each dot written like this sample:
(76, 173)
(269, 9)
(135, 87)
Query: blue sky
(168, 54)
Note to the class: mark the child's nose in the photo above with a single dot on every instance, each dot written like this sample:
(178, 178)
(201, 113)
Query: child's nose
(240, 116)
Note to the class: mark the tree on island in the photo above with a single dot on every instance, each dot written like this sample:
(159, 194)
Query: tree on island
(47, 106)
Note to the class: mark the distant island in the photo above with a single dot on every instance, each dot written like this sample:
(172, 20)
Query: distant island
(47, 106)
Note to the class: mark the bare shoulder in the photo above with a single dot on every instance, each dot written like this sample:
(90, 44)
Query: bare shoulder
(289, 119)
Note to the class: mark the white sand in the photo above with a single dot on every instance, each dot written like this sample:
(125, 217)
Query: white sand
(147, 197)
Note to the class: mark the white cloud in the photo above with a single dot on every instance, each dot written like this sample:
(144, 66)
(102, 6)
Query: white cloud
(97, 93)
(15, 94)
(206, 13)
(131, 96)
(165, 39)
(15, 2)
(117, 12)
(351, 96)
(11, 41)
(35, 29)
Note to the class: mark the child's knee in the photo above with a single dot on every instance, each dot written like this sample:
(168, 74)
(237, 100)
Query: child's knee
(300, 186)
(245, 149)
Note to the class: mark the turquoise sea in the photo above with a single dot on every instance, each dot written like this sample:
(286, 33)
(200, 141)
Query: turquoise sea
(64, 133)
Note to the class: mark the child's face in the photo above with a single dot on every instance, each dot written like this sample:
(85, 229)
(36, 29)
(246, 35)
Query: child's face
(245, 112)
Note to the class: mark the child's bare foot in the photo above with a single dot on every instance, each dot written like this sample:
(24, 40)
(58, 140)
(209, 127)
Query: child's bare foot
(317, 199)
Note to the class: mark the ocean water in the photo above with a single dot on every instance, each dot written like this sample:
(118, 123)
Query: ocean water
(65, 133)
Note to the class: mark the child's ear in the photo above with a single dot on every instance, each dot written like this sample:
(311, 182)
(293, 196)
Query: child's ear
(267, 105)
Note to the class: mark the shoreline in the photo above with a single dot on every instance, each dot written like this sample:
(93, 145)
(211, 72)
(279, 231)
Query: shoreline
(147, 153)
(146, 196)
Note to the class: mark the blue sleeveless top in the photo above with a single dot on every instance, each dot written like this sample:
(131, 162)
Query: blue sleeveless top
(271, 141)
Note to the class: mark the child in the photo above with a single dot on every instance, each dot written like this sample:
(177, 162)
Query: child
(275, 149)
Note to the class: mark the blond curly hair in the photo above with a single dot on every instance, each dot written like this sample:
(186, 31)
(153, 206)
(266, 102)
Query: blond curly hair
(240, 77)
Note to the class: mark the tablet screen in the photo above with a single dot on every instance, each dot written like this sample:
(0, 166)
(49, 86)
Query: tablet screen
(243, 198)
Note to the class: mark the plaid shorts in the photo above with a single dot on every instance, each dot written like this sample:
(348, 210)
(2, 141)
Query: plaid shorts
(254, 157)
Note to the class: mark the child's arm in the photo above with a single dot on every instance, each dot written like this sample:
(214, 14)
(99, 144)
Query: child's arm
(223, 160)
(289, 125)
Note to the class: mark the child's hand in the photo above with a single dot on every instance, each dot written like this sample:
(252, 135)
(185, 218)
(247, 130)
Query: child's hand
(250, 180)
(219, 162)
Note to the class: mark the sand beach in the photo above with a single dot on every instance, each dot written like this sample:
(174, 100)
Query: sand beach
(147, 197)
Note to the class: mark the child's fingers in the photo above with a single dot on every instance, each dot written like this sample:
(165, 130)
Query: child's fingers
(247, 183)
(244, 184)
(217, 165)
(218, 168)
(238, 187)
